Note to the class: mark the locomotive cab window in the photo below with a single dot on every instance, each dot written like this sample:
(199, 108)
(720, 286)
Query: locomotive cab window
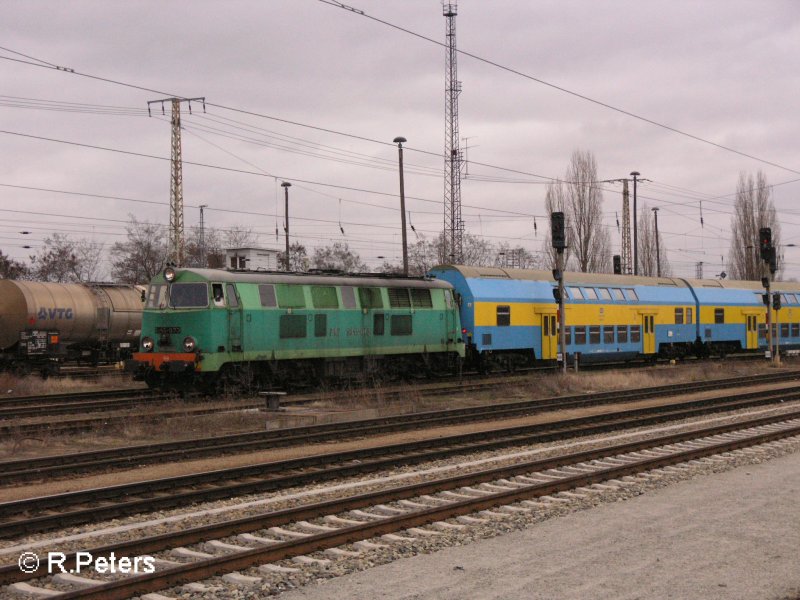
(188, 295)
(157, 296)
(719, 316)
(503, 316)
(216, 294)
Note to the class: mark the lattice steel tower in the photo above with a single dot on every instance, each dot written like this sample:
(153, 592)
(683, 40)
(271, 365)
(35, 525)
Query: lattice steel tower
(627, 254)
(176, 244)
(453, 225)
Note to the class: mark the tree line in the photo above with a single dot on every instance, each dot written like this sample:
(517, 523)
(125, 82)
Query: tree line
(578, 195)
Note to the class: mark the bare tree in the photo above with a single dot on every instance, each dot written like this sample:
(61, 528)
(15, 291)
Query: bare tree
(337, 256)
(239, 236)
(12, 269)
(141, 256)
(584, 203)
(64, 260)
(580, 199)
(516, 257)
(298, 258)
(753, 210)
(649, 257)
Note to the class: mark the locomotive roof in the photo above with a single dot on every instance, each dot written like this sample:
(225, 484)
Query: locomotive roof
(370, 280)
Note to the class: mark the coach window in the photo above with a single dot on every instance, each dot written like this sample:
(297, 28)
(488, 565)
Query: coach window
(719, 316)
(589, 294)
(795, 329)
(608, 335)
(784, 300)
(784, 330)
(622, 334)
(594, 334)
(762, 330)
(349, 297)
(575, 293)
(378, 324)
(604, 294)
(503, 316)
(636, 334)
(688, 316)
(567, 335)
(267, 295)
(233, 300)
(580, 335)
(678, 316)
(630, 294)
(618, 294)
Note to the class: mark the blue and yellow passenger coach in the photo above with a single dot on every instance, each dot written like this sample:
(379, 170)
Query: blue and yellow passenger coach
(509, 316)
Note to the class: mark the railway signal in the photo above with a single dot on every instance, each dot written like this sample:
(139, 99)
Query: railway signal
(617, 264)
(766, 250)
(559, 239)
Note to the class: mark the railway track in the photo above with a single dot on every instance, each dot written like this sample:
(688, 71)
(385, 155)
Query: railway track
(75, 508)
(93, 461)
(399, 514)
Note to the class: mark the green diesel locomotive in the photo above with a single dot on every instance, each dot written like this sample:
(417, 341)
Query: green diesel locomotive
(208, 329)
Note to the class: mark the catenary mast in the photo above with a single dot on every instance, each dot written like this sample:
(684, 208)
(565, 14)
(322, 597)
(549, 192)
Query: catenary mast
(453, 225)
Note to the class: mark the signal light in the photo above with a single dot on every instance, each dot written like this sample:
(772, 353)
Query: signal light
(557, 274)
(765, 243)
(765, 299)
(557, 230)
(557, 295)
(617, 264)
(776, 301)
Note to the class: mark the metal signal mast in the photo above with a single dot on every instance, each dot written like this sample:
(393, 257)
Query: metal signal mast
(627, 259)
(453, 225)
(175, 248)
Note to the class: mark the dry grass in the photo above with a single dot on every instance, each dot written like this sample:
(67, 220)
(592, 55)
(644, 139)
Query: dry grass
(31, 385)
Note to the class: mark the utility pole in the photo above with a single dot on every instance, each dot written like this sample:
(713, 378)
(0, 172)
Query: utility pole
(453, 225)
(286, 185)
(658, 245)
(399, 140)
(559, 241)
(176, 244)
(203, 262)
(635, 175)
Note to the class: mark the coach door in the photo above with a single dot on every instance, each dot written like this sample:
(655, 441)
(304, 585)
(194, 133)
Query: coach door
(751, 331)
(234, 318)
(549, 337)
(648, 334)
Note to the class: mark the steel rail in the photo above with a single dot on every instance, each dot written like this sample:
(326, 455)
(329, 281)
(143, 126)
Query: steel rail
(73, 508)
(203, 569)
(27, 469)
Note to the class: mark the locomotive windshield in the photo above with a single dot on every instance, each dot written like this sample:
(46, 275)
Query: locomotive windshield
(157, 296)
(188, 295)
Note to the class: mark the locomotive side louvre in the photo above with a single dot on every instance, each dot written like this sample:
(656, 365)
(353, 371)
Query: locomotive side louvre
(292, 326)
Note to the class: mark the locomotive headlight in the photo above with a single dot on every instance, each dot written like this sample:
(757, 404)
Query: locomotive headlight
(169, 274)
(189, 344)
(147, 344)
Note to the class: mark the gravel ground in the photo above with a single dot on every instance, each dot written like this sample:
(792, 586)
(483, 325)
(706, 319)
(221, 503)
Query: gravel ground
(731, 534)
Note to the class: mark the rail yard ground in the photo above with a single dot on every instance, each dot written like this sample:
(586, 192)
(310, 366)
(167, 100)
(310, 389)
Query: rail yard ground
(359, 403)
(715, 527)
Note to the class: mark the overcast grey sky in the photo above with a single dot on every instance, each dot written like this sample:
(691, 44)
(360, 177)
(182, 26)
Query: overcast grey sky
(725, 71)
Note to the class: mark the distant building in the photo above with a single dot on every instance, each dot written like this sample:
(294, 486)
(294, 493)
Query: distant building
(251, 259)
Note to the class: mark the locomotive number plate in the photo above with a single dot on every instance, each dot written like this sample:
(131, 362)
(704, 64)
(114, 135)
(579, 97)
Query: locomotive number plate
(168, 329)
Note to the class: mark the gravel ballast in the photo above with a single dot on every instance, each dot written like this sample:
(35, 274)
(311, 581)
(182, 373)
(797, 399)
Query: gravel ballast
(732, 534)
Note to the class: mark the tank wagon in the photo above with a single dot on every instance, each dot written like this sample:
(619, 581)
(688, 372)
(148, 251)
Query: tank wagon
(208, 329)
(510, 319)
(45, 324)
